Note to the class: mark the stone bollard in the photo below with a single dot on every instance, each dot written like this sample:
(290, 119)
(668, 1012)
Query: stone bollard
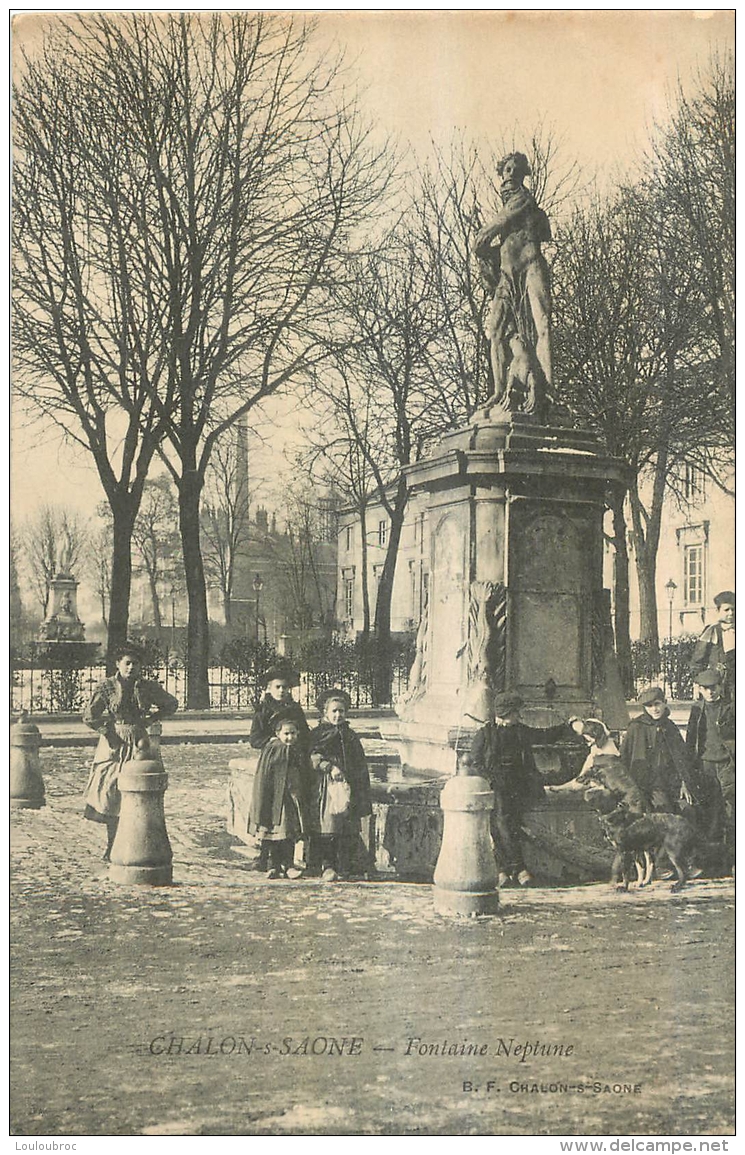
(141, 852)
(466, 874)
(26, 782)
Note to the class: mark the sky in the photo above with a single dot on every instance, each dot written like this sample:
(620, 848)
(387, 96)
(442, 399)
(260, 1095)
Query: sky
(599, 78)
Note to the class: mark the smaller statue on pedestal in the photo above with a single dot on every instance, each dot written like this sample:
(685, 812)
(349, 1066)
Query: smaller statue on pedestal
(518, 326)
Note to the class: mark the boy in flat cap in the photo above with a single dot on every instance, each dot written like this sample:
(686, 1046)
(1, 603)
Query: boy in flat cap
(715, 649)
(502, 752)
(656, 757)
(278, 683)
(710, 737)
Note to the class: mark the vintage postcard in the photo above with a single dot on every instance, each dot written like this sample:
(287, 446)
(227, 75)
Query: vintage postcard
(372, 577)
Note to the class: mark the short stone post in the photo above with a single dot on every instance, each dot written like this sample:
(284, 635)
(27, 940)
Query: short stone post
(141, 852)
(26, 782)
(466, 876)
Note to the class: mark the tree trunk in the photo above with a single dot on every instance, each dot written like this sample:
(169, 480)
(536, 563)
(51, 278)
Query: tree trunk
(155, 600)
(197, 636)
(621, 610)
(227, 602)
(365, 584)
(121, 580)
(646, 573)
(647, 541)
(383, 665)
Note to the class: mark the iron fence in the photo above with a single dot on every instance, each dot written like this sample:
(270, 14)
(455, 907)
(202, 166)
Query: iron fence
(38, 690)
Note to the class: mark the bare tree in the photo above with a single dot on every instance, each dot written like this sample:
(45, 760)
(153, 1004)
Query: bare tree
(225, 520)
(99, 566)
(628, 343)
(53, 540)
(335, 458)
(203, 175)
(88, 344)
(692, 162)
(156, 540)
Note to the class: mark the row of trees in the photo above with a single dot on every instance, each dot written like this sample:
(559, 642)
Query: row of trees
(56, 540)
(221, 226)
(185, 191)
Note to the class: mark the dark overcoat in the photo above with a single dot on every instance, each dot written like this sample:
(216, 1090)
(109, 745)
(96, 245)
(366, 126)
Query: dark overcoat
(340, 746)
(697, 729)
(279, 800)
(487, 754)
(656, 757)
(262, 726)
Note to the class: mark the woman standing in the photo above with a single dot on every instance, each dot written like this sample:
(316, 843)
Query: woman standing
(120, 710)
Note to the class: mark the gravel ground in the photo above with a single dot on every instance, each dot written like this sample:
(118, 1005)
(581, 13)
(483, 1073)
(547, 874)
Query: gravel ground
(212, 1006)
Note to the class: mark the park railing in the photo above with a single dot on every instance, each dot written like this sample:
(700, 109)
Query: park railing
(42, 690)
(668, 667)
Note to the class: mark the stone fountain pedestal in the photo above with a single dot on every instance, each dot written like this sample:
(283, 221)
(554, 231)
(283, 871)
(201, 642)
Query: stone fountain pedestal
(517, 601)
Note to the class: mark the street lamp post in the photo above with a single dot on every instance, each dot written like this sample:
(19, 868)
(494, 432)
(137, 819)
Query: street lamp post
(671, 588)
(258, 585)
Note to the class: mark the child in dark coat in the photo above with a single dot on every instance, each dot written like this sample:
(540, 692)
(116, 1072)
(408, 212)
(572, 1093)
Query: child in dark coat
(279, 804)
(338, 757)
(277, 698)
(502, 752)
(655, 755)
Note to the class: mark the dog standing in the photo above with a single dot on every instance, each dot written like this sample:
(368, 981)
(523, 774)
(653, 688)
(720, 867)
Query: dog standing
(650, 835)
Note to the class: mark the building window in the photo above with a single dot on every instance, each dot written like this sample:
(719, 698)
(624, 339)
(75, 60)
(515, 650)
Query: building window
(694, 483)
(349, 598)
(693, 574)
(382, 533)
(425, 591)
(350, 536)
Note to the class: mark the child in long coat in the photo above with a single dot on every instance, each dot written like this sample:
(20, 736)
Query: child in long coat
(655, 755)
(337, 756)
(277, 698)
(278, 814)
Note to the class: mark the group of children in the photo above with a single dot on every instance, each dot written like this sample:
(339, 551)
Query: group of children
(314, 786)
(656, 771)
(310, 785)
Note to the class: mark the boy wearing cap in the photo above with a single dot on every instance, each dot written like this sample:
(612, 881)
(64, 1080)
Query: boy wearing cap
(656, 757)
(278, 683)
(337, 755)
(715, 649)
(710, 737)
(502, 752)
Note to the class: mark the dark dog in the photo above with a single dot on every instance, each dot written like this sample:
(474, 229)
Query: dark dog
(649, 835)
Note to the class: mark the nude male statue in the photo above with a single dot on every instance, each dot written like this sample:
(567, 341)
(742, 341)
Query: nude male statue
(509, 253)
